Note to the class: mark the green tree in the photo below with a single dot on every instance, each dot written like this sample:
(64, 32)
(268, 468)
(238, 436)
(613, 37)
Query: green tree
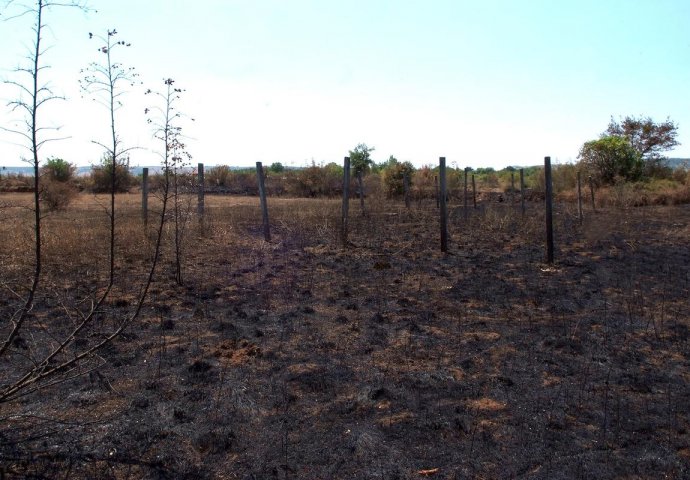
(276, 167)
(611, 157)
(360, 162)
(360, 158)
(58, 170)
(648, 138)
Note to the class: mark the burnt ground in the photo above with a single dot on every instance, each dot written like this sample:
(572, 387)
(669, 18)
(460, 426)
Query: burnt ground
(386, 359)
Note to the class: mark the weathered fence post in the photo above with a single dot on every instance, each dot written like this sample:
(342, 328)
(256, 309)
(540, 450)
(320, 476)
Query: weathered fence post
(474, 193)
(549, 209)
(442, 201)
(201, 189)
(579, 197)
(360, 183)
(145, 195)
(512, 188)
(591, 190)
(522, 190)
(406, 189)
(464, 200)
(346, 200)
(264, 204)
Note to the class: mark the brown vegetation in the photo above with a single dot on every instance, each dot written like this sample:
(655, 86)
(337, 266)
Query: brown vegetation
(301, 359)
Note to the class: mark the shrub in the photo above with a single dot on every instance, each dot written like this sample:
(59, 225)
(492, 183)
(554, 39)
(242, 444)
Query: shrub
(101, 177)
(316, 181)
(682, 175)
(393, 175)
(57, 195)
(16, 182)
(58, 170)
(424, 183)
(610, 158)
(218, 176)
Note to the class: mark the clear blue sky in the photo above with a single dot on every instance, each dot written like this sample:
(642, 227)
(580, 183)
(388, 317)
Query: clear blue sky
(489, 83)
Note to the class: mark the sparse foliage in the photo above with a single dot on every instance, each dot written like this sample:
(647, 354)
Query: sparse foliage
(104, 81)
(33, 95)
(648, 138)
(165, 119)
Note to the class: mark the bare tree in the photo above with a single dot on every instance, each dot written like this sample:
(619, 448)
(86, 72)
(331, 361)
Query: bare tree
(104, 80)
(165, 120)
(34, 94)
(57, 356)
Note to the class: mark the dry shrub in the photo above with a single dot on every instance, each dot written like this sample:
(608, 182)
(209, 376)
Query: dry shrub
(57, 195)
(682, 175)
(16, 183)
(423, 183)
(218, 176)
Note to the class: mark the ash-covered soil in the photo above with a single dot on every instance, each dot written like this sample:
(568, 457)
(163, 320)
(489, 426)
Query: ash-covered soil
(388, 359)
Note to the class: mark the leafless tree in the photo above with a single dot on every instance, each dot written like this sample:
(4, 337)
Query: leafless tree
(106, 81)
(165, 119)
(33, 94)
(58, 356)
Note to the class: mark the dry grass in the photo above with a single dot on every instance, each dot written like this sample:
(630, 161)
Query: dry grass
(301, 359)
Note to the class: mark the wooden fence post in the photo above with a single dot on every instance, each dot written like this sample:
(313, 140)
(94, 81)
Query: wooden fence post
(591, 190)
(549, 210)
(474, 193)
(522, 190)
(200, 186)
(464, 200)
(406, 189)
(264, 204)
(442, 201)
(145, 195)
(346, 200)
(360, 183)
(579, 197)
(512, 187)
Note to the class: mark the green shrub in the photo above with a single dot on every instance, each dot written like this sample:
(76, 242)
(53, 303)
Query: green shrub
(393, 178)
(101, 177)
(58, 170)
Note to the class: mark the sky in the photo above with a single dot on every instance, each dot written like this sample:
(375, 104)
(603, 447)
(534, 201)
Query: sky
(484, 83)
